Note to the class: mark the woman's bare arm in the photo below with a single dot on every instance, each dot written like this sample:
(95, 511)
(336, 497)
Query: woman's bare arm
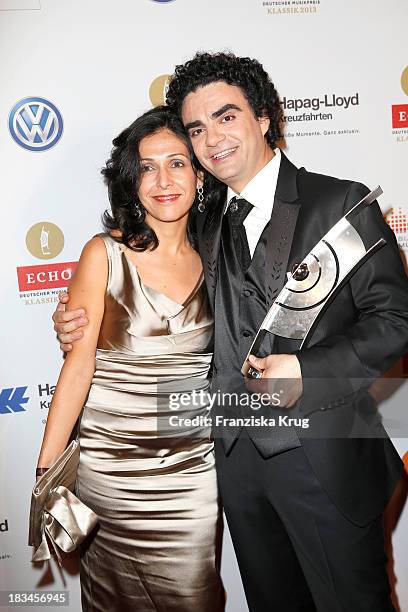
(87, 290)
(68, 323)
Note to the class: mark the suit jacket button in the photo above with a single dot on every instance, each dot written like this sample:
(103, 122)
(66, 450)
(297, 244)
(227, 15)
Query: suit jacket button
(246, 333)
(247, 292)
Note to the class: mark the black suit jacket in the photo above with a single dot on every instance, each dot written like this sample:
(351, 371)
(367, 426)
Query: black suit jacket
(361, 334)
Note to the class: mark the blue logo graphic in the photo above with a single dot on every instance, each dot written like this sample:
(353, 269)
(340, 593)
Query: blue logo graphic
(35, 124)
(12, 400)
(163, 0)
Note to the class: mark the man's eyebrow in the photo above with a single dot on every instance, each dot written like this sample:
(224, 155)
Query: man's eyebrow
(192, 124)
(214, 115)
(224, 109)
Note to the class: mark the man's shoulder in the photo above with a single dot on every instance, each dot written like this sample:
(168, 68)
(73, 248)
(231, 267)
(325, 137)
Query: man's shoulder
(323, 183)
(317, 189)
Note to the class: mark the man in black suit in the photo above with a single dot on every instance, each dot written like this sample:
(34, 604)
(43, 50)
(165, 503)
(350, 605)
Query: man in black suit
(304, 512)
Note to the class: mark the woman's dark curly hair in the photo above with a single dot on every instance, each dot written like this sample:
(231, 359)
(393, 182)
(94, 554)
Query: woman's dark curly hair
(244, 72)
(123, 173)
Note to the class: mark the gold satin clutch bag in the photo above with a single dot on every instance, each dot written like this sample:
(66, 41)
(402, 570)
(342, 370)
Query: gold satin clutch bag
(57, 517)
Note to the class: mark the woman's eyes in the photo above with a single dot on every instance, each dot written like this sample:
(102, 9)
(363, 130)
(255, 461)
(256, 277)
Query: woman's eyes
(175, 163)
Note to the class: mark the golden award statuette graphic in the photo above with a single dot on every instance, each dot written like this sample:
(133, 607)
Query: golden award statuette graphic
(45, 240)
(404, 80)
(158, 89)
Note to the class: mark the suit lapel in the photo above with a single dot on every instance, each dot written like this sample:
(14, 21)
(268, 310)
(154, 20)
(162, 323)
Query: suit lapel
(283, 222)
(281, 230)
(209, 246)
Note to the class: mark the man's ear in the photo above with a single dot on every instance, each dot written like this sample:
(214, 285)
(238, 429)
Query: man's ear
(264, 122)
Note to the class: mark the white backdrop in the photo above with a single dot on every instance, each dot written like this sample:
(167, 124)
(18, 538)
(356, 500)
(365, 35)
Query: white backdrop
(339, 67)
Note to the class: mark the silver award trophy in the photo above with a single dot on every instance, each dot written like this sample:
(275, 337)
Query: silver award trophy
(315, 282)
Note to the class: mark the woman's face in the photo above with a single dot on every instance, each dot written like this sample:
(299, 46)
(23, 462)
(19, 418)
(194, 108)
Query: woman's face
(168, 181)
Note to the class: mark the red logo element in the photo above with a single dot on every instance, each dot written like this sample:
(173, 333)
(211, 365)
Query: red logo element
(47, 276)
(398, 221)
(400, 115)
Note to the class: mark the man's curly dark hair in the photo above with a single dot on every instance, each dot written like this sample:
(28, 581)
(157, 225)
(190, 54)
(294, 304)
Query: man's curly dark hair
(246, 73)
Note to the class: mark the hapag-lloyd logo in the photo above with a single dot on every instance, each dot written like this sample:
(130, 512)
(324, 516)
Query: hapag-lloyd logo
(326, 101)
(318, 108)
(46, 276)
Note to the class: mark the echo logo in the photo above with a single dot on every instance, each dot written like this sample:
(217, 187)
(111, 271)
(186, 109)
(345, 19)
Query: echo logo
(404, 80)
(4, 526)
(400, 111)
(400, 116)
(47, 276)
(158, 89)
(12, 400)
(45, 240)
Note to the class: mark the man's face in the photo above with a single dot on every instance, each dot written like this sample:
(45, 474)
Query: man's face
(227, 139)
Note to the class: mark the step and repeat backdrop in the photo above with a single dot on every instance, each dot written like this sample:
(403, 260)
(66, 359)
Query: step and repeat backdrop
(74, 73)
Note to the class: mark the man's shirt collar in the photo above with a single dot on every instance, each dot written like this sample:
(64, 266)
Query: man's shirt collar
(260, 191)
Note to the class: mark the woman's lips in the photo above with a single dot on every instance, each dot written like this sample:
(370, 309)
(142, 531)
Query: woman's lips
(171, 197)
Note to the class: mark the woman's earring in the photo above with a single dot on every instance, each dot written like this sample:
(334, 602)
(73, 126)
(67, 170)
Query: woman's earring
(137, 212)
(200, 195)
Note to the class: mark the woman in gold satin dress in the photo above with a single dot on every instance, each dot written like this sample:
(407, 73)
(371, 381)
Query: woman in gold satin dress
(150, 478)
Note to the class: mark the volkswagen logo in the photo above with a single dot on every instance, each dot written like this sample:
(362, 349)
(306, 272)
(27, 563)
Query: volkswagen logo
(35, 124)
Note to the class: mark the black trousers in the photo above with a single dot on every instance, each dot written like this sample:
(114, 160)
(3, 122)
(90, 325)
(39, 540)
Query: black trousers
(296, 552)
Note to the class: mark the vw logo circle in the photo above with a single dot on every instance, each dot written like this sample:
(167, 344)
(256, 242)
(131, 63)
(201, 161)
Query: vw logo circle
(35, 124)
